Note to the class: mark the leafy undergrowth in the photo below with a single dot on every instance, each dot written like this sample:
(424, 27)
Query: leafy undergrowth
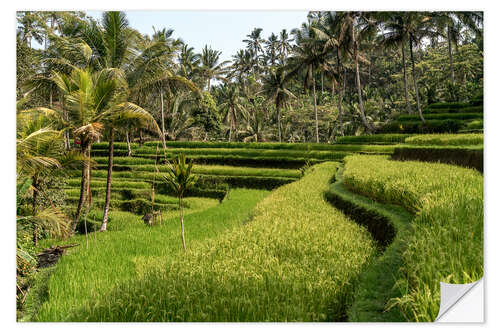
(84, 277)
(298, 259)
(390, 225)
(446, 243)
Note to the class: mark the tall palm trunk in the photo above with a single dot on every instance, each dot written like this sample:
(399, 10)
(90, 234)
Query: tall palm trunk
(340, 97)
(405, 79)
(108, 181)
(35, 197)
(278, 115)
(83, 185)
(450, 55)
(358, 85)
(182, 223)
(315, 109)
(162, 120)
(415, 84)
(127, 134)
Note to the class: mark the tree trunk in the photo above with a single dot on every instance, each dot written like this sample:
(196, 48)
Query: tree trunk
(230, 126)
(108, 182)
(405, 79)
(141, 139)
(278, 115)
(67, 144)
(35, 196)
(415, 82)
(208, 85)
(162, 120)
(322, 90)
(83, 187)
(358, 85)
(340, 97)
(315, 110)
(128, 143)
(182, 223)
(450, 55)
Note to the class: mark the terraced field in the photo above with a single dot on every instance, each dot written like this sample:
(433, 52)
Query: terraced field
(353, 238)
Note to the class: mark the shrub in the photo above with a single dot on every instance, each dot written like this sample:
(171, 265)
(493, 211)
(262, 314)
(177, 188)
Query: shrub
(446, 243)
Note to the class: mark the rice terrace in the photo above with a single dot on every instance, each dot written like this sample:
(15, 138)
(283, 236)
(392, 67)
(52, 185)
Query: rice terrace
(324, 173)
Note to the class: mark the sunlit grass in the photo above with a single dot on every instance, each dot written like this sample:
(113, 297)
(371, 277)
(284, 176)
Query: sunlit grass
(447, 235)
(83, 277)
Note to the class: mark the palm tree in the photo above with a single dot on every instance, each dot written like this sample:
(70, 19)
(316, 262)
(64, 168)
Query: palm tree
(328, 33)
(153, 70)
(272, 44)
(210, 66)
(180, 179)
(275, 90)
(284, 46)
(188, 61)
(395, 35)
(453, 23)
(242, 64)
(89, 98)
(233, 106)
(30, 27)
(123, 115)
(40, 155)
(254, 45)
(356, 26)
(307, 57)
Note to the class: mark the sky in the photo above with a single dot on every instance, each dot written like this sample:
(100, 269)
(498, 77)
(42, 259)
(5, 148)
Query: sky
(222, 30)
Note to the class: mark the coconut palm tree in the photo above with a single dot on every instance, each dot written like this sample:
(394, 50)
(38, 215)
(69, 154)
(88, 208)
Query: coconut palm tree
(355, 27)
(89, 98)
(275, 89)
(254, 43)
(233, 106)
(284, 46)
(395, 35)
(180, 179)
(123, 115)
(307, 56)
(40, 154)
(210, 66)
(188, 61)
(272, 44)
(328, 32)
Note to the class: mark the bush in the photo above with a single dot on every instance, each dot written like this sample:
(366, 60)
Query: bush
(446, 242)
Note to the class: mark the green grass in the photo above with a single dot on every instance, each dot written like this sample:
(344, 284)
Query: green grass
(446, 139)
(374, 139)
(250, 146)
(375, 290)
(447, 232)
(84, 278)
(298, 259)
(243, 152)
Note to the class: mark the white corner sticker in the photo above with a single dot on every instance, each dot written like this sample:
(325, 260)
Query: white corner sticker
(461, 303)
